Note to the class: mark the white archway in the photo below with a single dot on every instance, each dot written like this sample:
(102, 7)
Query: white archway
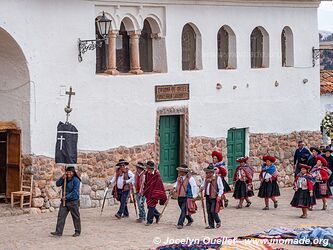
(14, 86)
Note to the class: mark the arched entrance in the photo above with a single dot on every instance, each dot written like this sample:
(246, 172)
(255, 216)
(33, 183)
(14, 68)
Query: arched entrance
(14, 112)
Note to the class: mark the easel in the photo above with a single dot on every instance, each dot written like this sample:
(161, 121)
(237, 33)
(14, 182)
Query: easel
(68, 109)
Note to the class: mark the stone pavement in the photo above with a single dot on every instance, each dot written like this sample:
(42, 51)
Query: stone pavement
(107, 232)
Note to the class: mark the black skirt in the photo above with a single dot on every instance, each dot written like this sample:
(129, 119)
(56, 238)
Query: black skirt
(241, 191)
(226, 187)
(302, 199)
(317, 193)
(269, 189)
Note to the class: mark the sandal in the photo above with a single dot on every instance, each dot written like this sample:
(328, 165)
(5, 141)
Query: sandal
(239, 206)
(266, 208)
(226, 203)
(248, 204)
(303, 216)
(324, 207)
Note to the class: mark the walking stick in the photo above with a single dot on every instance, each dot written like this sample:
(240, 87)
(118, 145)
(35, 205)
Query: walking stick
(64, 198)
(104, 198)
(134, 201)
(203, 207)
(166, 204)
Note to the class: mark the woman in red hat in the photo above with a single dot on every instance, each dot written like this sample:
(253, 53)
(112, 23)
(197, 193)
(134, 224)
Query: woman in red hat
(303, 186)
(269, 189)
(243, 182)
(222, 170)
(321, 174)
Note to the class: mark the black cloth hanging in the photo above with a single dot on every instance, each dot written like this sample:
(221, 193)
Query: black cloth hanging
(66, 145)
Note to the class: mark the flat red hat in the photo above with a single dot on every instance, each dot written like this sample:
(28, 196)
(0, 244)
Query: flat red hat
(322, 159)
(242, 159)
(304, 166)
(218, 155)
(269, 158)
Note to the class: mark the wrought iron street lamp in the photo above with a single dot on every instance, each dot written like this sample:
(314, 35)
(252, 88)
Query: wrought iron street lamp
(103, 25)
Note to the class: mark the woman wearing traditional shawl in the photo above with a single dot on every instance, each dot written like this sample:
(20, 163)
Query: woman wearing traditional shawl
(269, 188)
(321, 174)
(303, 186)
(243, 182)
(222, 170)
(154, 192)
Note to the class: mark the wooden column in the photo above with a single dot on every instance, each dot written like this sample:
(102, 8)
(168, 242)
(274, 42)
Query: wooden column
(112, 63)
(135, 53)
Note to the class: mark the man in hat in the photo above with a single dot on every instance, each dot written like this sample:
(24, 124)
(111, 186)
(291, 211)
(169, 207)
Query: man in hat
(139, 181)
(123, 179)
(213, 191)
(329, 158)
(186, 190)
(299, 152)
(153, 191)
(71, 201)
(331, 145)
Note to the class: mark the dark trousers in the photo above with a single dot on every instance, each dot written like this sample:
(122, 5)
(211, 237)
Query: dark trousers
(73, 208)
(152, 212)
(212, 216)
(182, 205)
(123, 196)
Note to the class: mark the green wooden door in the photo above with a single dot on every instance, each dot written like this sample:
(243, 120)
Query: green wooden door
(169, 147)
(236, 149)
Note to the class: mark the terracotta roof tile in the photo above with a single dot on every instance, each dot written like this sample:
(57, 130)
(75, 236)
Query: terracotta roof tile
(326, 82)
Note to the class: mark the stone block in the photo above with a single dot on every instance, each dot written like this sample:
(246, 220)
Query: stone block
(85, 189)
(85, 178)
(55, 203)
(52, 191)
(36, 192)
(85, 201)
(35, 210)
(37, 202)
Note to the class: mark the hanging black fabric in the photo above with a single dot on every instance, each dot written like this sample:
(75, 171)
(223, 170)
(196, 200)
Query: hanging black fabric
(66, 145)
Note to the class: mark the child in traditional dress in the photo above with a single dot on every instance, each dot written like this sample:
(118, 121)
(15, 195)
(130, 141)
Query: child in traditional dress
(303, 197)
(269, 188)
(139, 181)
(213, 191)
(243, 182)
(321, 174)
(186, 190)
(222, 170)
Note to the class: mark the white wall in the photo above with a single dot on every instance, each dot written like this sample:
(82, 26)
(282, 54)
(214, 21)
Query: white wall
(110, 111)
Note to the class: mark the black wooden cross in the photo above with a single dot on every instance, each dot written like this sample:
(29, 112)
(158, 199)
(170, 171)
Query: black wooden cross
(68, 108)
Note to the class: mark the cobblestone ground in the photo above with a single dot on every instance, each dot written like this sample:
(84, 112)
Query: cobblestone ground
(107, 232)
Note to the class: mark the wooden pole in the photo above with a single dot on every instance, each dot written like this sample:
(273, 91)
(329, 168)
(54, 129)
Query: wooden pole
(64, 194)
(203, 207)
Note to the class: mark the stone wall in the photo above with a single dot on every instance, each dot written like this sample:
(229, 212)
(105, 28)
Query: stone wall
(282, 147)
(97, 167)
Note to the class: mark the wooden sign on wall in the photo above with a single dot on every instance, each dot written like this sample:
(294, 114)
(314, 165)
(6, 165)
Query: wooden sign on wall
(172, 92)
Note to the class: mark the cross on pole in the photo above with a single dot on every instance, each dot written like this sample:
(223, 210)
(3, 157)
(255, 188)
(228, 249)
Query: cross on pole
(68, 108)
(61, 139)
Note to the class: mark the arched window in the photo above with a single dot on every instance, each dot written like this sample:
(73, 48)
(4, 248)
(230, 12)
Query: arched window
(287, 47)
(101, 52)
(191, 48)
(146, 48)
(123, 50)
(226, 47)
(259, 48)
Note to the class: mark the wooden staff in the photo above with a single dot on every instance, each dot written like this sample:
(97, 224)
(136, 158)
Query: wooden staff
(203, 207)
(64, 198)
(166, 204)
(134, 200)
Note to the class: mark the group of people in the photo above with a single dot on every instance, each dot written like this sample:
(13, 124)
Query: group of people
(313, 178)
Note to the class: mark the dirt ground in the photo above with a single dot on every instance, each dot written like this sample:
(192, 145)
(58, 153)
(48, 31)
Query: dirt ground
(107, 232)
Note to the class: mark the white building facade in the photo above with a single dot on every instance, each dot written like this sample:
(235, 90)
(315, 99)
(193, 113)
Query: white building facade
(267, 106)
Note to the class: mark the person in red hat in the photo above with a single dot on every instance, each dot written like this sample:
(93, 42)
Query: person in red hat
(303, 186)
(243, 182)
(221, 170)
(269, 189)
(321, 174)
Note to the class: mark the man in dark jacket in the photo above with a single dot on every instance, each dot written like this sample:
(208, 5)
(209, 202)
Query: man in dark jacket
(71, 202)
